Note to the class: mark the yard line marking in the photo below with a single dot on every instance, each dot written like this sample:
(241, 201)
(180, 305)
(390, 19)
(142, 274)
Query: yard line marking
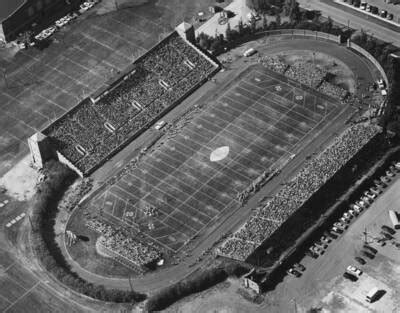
(84, 67)
(60, 72)
(130, 26)
(140, 48)
(23, 295)
(76, 47)
(147, 20)
(107, 46)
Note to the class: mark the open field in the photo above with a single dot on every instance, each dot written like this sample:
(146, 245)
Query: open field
(37, 86)
(257, 122)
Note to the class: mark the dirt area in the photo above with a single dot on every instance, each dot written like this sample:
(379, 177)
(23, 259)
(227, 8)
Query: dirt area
(20, 181)
(224, 298)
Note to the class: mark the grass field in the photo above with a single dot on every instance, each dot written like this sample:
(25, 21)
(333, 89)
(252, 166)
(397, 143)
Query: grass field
(262, 118)
(37, 86)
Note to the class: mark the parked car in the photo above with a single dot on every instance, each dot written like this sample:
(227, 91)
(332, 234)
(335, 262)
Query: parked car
(321, 245)
(362, 204)
(360, 260)
(370, 195)
(344, 220)
(356, 208)
(352, 213)
(389, 173)
(325, 239)
(386, 235)
(389, 16)
(349, 276)
(299, 267)
(371, 249)
(385, 179)
(354, 270)
(347, 215)
(388, 229)
(340, 225)
(379, 183)
(337, 230)
(375, 191)
(383, 13)
(396, 165)
(368, 254)
(311, 254)
(293, 272)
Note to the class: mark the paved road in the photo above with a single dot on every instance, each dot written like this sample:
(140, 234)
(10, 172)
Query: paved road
(354, 21)
(154, 281)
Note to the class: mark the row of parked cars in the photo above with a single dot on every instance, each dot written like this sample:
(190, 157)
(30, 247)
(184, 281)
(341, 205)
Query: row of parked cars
(46, 33)
(355, 209)
(370, 8)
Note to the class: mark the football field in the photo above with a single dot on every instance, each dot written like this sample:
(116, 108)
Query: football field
(196, 175)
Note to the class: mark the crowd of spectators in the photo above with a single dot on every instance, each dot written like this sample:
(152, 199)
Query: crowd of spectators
(160, 79)
(316, 172)
(306, 73)
(123, 246)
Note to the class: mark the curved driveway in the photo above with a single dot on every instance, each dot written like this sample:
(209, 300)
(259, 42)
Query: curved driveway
(153, 281)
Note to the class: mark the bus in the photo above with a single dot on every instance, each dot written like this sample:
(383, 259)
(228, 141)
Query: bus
(249, 52)
(394, 219)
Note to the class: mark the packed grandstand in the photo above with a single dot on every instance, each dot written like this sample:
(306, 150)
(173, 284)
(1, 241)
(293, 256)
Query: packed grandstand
(267, 219)
(98, 126)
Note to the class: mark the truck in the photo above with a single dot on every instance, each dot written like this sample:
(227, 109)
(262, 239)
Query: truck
(372, 294)
(394, 219)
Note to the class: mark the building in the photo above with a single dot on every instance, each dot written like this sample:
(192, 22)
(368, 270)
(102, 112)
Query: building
(17, 16)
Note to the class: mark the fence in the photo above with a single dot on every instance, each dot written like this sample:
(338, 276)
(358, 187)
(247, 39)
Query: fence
(301, 33)
(369, 56)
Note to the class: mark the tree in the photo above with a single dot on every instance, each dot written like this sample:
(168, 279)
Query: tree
(253, 26)
(26, 38)
(228, 33)
(265, 22)
(278, 20)
(240, 27)
(294, 12)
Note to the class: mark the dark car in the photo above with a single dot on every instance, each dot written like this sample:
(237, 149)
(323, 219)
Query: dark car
(349, 276)
(293, 272)
(368, 254)
(360, 260)
(371, 249)
(388, 229)
(386, 235)
(311, 254)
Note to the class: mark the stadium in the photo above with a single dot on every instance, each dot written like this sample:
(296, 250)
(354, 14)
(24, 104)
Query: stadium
(228, 146)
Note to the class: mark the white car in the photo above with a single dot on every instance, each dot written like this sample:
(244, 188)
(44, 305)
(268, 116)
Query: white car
(389, 173)
(347, 216)
(354, 270)
(352, 212)
(362, 204)
(396, 165)
(370, 195)
(160, 125)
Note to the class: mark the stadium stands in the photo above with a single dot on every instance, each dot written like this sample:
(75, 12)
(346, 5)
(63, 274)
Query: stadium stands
(267, 219)
(101, 124)
(123, 247)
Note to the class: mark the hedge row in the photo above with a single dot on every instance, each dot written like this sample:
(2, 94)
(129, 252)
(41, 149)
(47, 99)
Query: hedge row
(186, 287)
(49, 193)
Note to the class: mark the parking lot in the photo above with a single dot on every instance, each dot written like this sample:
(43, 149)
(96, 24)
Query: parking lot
(322, 284)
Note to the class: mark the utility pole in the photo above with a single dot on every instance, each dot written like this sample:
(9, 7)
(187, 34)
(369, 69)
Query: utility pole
(130, 283)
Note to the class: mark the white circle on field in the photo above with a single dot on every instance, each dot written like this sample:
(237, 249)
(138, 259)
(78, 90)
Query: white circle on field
(219, 154)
